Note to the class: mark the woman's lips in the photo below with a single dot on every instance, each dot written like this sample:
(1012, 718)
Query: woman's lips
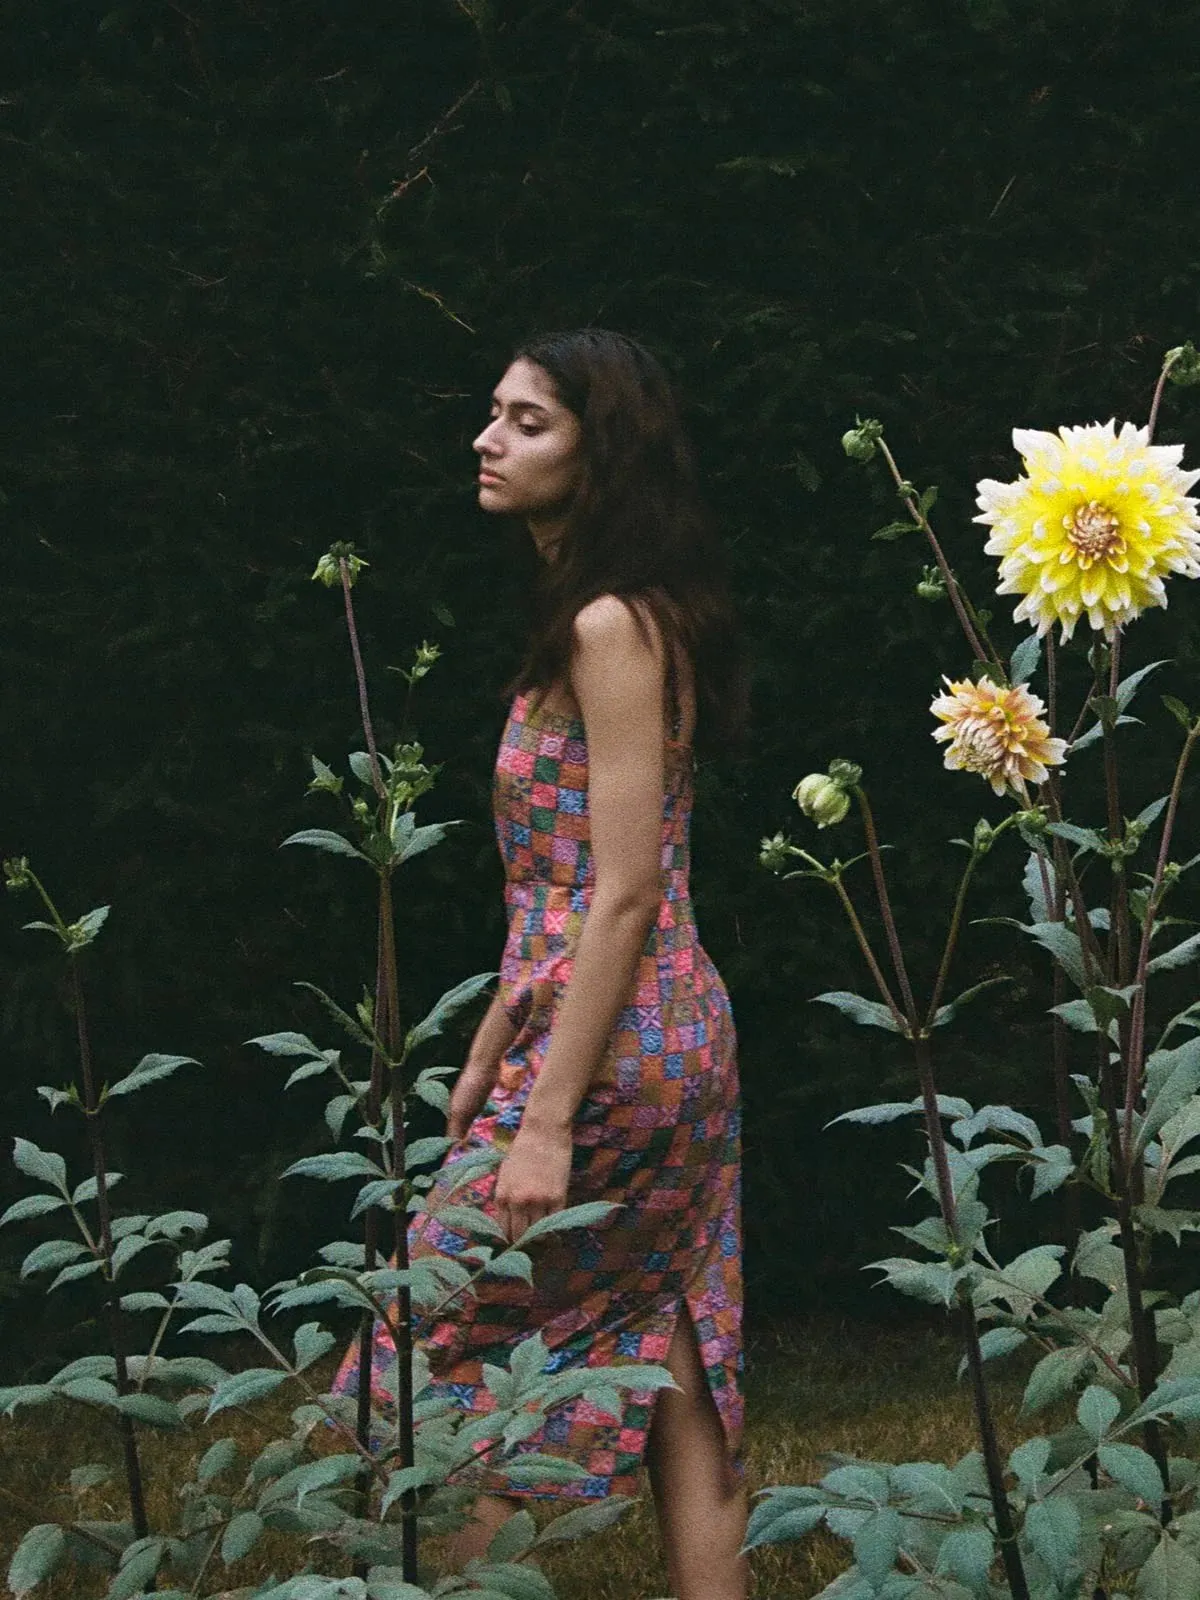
(490, 477)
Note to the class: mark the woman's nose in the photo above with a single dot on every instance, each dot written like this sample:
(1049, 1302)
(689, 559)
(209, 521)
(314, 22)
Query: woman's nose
(485, 444)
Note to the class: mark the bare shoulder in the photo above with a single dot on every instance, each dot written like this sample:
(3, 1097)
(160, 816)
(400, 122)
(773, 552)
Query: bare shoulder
(610, 624)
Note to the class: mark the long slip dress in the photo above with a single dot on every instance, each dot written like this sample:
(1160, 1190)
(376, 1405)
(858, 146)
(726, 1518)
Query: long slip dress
(658, 1133)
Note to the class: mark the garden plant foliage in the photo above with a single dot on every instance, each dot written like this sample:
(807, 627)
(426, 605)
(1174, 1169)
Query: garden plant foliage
(365, 1501)
(264, 263)
(1105, 1502)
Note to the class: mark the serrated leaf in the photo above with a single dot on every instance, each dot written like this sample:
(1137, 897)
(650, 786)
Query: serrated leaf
(1054, 1376)
(312, 1341)
(33, 1205)
(514, 1538)
(1133, 1469)
(1171, 1572)
(585, 1520)
(1025, 658)
(867, 1013)
(967, 1554)
(139, 1563)
(150, 1069)
(47, 1166)
(324, 839)
(337, 1164)
(286, 1044)
(1054, 1529)
(948, 1012)
(1097, 1410)
(36, 1557)
(50, 1255)
(245, 1387)
(588, 1215)
(1182, 955)
(1129, 686)
(450, 1004)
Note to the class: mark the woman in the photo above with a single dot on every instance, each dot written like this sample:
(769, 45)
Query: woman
(605, 1068)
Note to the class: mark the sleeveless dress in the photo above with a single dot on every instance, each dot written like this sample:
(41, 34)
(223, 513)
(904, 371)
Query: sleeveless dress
(658, 1133)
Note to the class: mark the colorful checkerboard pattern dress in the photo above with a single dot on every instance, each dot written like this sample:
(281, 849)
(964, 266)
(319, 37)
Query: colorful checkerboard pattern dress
(658, 1133)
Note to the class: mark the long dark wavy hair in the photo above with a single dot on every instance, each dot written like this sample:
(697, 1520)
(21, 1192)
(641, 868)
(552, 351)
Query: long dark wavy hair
(636, 527)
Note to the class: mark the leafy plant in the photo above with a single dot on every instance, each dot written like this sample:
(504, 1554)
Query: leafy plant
(358, 1476)
(1105, 1505)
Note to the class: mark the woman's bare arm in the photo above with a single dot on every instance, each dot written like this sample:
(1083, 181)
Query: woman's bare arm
(618, 678)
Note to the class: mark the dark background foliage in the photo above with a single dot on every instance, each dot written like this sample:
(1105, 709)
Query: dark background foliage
(264, 262)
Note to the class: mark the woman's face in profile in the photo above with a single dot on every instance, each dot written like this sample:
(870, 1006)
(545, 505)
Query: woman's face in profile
(530, 451)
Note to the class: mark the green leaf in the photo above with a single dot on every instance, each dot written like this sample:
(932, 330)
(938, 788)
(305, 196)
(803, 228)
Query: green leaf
(174, 1224)
(335, 1165)
(534, 1468)
(310, 1476)
(139, 1563)
(1182, 955)
(1171, 1572)
(1129, 686)
(869, 1013)
(33, 1205)
(323, 839)
(52, 1254)
(218, 1458)
(1084, 838)
(514, 1538)
(84, 1478)
(89, 1188)
(1025, 659)
(307, 1069)
(1179, 711)
(967, 1554)
(47, 1166)
(312, 1341)
(149, 1070)
(240, 1537)
(408, 842)
(947, 1013)
(1054, 1529)
(36, 1557)
(1096, 732)
(1054, 1376)
(1097, 1410)
(932, 1281)
(244, 1387)
(150, 1409)
(24, 1394)
(1028, 1461)
(895, 530)
(888, 1111)
(585, 1520)
(450, 1004)
(996, 1119)
(285, 1044)
(877, 1544)
(1134, 1470)
(1053, 1165)
(588, 1215)
(512, 1580)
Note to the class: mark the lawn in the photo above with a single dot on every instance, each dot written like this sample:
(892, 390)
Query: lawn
(811, 1388)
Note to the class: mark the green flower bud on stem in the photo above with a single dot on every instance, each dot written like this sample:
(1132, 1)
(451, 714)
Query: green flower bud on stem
(17, 874)
(860, 442)
(822, 799)
(775, 854)
(329, 569)
(932, 586)
(1183, 364)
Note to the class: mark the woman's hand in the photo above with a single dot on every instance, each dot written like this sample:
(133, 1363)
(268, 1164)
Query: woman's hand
(469, 1095)
(533, 1177)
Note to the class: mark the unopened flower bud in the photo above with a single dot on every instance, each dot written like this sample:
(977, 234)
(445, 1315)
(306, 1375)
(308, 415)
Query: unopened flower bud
(983, 836)
(1184, 364)
(1033, 820)
(774, 854)
(821, 799)
(361, 809)
(329, 568)
(860, 442)
(932, 585)
(17, 875)
(845, 772)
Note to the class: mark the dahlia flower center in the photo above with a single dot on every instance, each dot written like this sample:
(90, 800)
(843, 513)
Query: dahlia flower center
(1095, 531)
(983, 739)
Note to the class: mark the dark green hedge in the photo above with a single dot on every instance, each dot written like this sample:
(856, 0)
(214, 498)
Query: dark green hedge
(264, 262)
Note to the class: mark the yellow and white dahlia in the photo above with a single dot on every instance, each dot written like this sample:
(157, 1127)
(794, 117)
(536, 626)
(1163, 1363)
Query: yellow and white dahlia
(1099, 521)
(996, 732)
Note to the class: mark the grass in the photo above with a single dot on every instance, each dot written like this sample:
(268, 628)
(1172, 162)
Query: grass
(812, 1388)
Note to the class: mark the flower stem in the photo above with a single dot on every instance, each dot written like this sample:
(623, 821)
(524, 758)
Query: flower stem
(885, 909)
(951, 937)
(361, 677)
(957, 598)
(864, 945)
(112, 1316)
(1135, 1061)
(1158, 394)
